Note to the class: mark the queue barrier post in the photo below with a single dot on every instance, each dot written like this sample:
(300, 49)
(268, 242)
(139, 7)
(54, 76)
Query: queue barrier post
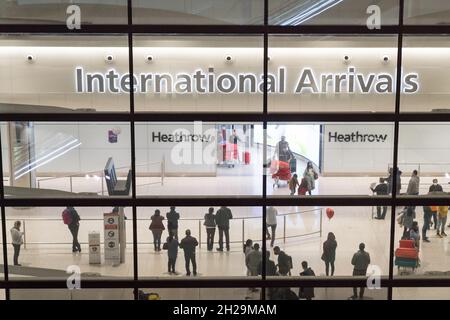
(71, 184)
(243, 230)
(24, 235)
(321, 217)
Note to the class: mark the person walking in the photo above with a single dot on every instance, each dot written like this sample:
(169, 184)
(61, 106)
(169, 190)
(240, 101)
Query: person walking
(413, 184)
(381, 190)
(171, 246)
(157, 228)
(223, 217)
(284, 262)
(271, 222)
(427, 213)
(442, 220)
(210, 225)
(17, 241)
(360, 262)
(329, 253)
(72, 219)
(311, 176)
(293, 184)
(307, 292)
(188, 245)
(172, 222)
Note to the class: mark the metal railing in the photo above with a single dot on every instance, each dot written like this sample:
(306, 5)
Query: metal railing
(100, 175)
(245, 223)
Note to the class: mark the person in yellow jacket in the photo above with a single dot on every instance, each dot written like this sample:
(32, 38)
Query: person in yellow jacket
(442, 220)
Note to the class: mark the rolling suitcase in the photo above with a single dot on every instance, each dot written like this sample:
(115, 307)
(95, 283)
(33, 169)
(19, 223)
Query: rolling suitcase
(246, 157)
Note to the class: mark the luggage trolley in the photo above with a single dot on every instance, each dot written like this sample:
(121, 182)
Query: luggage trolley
(280, 171)
(407, 255)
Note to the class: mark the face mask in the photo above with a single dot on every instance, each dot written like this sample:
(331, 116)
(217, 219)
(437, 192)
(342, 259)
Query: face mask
(434, 183)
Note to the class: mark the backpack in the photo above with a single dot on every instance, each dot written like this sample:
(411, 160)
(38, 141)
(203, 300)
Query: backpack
(67, 216)
(289, 261)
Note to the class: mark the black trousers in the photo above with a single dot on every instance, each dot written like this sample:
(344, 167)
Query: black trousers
(74, 231)
(361, 289)
(190, 257)
(171, 264)
(329, 264)
(16, 253)
(226, 231)
(379, 214)
(210, 232)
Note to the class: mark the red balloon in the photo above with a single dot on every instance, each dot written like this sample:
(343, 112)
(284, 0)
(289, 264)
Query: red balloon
(330, 213)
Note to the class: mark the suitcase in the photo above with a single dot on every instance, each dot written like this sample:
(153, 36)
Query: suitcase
(246, 157)
(402, 262)
(406, 243)
(302, 191)
(408, 253)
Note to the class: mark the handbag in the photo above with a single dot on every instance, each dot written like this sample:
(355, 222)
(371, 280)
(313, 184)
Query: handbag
(316, 176)
(165, 246)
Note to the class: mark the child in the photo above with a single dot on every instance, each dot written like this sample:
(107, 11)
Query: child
(303, 188)
(293, 183)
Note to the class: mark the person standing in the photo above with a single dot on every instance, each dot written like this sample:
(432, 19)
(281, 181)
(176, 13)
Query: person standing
(17, 241)
(435, 187)
(157, 228)
(409, 214)
(234, 140)
(390, 180)
(271, 221)
(360, 262)
(172, 222)
(413, 185)
(293, 184)
(284, 262)
(427, 213)
(210, 225)
(307, 292)
(329, 253)
(381, 190)
(442, 220)
(414, 234)
(172, 253)
(188, 244)
(72, 219)
(253, 260)
(311, 176)
(223, 217)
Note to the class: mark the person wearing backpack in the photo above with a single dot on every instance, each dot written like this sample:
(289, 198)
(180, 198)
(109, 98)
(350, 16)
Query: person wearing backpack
(284, 262)
(210, 225)
(72, 220)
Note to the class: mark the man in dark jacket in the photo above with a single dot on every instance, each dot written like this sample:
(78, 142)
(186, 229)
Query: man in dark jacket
(271, 268)
(284, 263)
(427, 214)
(188, 244)
(74, 226)
(307, 292)
(360, 262)
(391, 181)
(381, 190)
(435, 187)
(223, 217)
(172, 222)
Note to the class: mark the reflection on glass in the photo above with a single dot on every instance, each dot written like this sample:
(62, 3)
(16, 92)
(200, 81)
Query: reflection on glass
(95, 242)
(66, 159)
(319, 158)
(423, 12)
(63, 12)
(78, 294)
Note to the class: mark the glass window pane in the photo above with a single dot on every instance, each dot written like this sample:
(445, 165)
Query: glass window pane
(78, 294)
(427, 12)
(63, 74)
(333, 12)
(95, 248)
(187, 159)
(213, 257)
(420, 293)
(198, 73)
(61, 11)
(198, 12)
(332, 73)
(49, 159)
(354, 155)
(427, 57)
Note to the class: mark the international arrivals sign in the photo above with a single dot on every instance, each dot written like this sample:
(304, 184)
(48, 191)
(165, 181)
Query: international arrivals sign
(200, 81)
